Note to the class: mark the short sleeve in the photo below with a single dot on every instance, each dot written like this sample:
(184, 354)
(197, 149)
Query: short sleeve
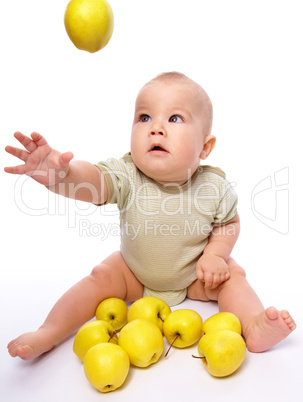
(116, 174)
(227, 207)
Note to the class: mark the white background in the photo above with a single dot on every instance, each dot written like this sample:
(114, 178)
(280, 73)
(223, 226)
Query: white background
(248, 57)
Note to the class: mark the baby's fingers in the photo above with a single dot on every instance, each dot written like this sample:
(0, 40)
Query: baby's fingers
(219, 278)
(27, 142)
(38, 139)
(214, 280)
(20, 169)
(208, 280)
(226, 276)
(30, 144)
(65, 159)
(18, 153)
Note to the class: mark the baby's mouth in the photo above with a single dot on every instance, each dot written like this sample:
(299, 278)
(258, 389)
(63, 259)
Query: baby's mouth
(157, 148)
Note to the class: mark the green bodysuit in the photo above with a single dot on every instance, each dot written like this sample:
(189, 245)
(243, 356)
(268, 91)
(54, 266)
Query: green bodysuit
(164, 229)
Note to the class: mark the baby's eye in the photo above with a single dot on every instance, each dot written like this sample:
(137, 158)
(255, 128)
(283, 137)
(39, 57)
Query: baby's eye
(144, 118)
(175, 119)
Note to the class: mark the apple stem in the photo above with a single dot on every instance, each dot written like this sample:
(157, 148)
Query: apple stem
(177, 336)
(112, 335)
(198, 357)
(160, 317)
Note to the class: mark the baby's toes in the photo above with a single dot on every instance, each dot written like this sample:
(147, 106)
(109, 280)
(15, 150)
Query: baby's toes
(24, 352)
(288, 319)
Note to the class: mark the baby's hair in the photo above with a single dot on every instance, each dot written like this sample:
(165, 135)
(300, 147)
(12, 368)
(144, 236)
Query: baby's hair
(171, 75)
(206, 105)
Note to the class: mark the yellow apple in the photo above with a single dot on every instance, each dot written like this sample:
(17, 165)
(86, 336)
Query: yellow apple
(223, 320)
(222, 352)
(183, 328)
(151, 308)
(92, 333)
(89, 23)
(143, 341)
(114, 311)
(106, 366)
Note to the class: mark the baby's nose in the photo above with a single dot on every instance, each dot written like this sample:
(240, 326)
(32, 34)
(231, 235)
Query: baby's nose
(154, 132)
(157, 128)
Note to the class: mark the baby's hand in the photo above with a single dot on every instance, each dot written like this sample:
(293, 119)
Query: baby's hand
(43, 163)
(212, 270)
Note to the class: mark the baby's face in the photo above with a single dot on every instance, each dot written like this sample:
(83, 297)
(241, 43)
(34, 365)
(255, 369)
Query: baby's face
(167, 133)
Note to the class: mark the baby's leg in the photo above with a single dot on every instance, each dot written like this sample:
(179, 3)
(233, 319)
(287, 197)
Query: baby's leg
(112, 278)
(262, 329)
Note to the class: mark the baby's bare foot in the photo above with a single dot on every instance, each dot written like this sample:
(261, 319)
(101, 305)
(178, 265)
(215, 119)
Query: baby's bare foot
(30, 345)
(268, 328)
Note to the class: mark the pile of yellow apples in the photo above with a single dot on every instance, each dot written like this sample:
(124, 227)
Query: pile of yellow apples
(107, 356)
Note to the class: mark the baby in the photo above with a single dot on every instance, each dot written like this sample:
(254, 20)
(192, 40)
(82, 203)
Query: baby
(179, 220)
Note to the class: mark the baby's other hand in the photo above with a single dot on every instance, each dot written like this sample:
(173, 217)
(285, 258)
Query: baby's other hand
(212, 270)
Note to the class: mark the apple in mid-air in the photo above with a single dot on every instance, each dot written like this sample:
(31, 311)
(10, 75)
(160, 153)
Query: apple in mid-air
(183, 328)
(223, 320)
(222, 352)
(106, 366)
(92, 333)
(143, 341)
(151, 308)
(114, 311)
(89, 24)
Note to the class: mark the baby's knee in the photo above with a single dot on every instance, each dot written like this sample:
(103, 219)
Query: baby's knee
(235, 268)
(109, 276)
(102, 273)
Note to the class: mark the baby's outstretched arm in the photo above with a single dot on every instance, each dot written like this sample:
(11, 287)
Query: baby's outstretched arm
(212, 268)
(80, 180)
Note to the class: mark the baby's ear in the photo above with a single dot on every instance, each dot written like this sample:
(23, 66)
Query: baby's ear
(209, 144)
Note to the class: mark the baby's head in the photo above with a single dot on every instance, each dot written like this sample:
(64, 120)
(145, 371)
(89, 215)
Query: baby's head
(200, 97)
(171, 128)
